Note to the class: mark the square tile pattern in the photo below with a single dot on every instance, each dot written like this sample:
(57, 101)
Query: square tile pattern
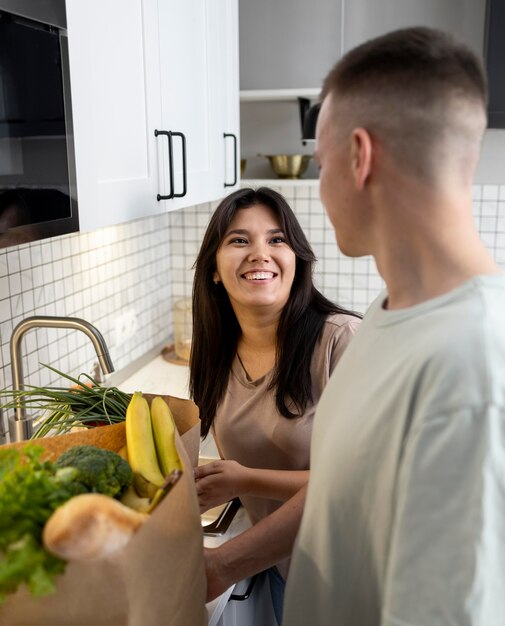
(139, 268)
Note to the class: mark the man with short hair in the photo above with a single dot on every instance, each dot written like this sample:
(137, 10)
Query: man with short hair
(404, 522)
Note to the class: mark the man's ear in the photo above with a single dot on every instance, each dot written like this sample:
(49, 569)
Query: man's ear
(361, 156)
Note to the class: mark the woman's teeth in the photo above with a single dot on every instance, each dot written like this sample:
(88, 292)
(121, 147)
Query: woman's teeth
(259, 276)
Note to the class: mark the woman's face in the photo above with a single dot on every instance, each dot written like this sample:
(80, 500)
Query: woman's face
(254, 262)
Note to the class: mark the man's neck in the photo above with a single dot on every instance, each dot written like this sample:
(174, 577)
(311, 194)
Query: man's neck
(426, 251)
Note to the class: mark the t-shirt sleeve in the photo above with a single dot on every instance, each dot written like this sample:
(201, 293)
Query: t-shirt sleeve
(446, 560)
(341, 337)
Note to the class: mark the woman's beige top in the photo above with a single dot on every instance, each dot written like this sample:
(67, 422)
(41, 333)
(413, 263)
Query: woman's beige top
(249, 429)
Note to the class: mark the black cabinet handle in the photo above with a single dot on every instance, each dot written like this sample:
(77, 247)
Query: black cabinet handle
(225, 135)
(183, 144)
(169, 134)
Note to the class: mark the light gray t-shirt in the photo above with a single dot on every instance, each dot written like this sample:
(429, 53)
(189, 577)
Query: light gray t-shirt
(249, 429)
(404, 523)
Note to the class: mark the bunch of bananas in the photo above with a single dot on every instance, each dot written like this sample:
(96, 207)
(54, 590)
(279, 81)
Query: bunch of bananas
(151, 451)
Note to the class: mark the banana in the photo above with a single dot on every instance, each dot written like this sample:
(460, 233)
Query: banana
(143, 487)
(131, 499)
(141, 447)
(164, 436)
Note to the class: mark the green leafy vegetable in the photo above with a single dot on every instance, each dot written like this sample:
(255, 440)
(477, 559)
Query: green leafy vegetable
(25, 561)
(30, 490)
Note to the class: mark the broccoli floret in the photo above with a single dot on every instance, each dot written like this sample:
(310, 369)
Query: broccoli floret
(98, 470)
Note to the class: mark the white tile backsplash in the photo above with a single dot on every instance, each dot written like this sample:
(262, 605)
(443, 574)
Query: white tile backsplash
(146, 264)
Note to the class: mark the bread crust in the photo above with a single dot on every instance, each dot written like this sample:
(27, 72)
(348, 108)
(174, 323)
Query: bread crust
(90, 526)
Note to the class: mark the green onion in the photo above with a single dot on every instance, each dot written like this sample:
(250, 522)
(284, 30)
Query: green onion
(67, 407)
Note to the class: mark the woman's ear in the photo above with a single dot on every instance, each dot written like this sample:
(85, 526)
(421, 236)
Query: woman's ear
(361, 156)
(216, 278)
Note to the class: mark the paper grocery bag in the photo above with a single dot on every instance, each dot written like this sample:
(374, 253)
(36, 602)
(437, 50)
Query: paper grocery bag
(158, 579)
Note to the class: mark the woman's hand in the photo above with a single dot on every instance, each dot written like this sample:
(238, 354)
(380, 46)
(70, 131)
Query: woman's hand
(218, 482)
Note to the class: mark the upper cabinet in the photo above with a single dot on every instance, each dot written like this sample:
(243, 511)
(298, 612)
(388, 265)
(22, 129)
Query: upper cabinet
(365, 19)
(148, 119)
(226, 78)
(199, 88)
(113, 72)
(292, 44)
(288, 46)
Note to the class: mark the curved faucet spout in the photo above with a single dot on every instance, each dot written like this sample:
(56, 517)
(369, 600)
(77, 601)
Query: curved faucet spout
(21, 427)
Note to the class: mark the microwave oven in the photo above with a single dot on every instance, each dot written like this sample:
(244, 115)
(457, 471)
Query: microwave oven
(37, 167)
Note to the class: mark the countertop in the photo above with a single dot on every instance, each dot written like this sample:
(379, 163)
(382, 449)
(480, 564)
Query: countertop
(160, 376)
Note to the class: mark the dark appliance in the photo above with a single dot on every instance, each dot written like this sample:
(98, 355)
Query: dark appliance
(37, 166)
(494, 54)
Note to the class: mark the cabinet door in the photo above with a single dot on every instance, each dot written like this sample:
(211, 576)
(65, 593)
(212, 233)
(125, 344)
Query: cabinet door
(288, 44)
(226, 94)
(186, 101)
(464, 18)
(111, 71)
(232, 94)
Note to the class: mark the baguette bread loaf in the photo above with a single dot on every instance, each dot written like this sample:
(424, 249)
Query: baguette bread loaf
(90, 526)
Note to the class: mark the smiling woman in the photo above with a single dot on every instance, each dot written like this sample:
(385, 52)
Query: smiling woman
(265, 342)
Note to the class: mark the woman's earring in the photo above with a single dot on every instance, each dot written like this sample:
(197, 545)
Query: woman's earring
(216, 281)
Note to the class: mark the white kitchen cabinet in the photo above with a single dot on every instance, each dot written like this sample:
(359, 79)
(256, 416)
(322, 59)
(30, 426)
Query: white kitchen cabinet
(146, 66)
(111, 67)
(228, 81)
(208, 112)
(188, 105)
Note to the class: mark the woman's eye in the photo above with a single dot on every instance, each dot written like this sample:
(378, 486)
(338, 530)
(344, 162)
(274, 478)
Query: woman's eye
(240, 240)
(278, 240)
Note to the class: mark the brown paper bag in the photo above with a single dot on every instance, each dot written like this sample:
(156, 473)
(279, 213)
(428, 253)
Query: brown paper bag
(158, 579)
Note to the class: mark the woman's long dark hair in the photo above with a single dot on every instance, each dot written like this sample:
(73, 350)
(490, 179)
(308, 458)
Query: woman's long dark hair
(216, 330)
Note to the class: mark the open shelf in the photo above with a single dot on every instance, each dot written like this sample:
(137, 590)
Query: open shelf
(278, 95)
(279, 182)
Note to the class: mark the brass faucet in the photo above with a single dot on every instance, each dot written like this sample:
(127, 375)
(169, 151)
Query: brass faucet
(21, 428)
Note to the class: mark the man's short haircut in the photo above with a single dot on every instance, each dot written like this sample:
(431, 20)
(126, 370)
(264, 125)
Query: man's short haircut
(413, 88)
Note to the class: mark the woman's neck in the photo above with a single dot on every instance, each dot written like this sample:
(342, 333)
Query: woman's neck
(256, 347)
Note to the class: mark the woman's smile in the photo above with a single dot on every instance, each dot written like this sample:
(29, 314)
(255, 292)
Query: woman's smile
(259, 276)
